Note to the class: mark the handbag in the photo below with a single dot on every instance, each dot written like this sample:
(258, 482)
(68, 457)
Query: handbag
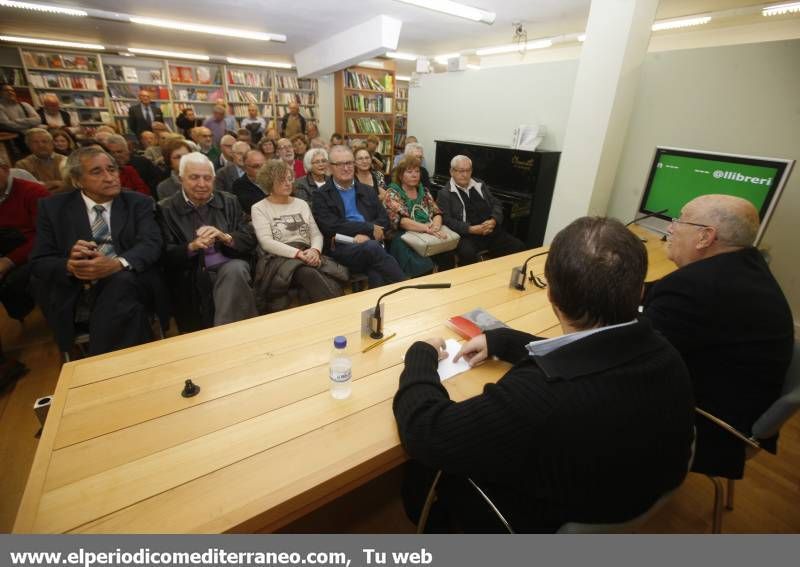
(426, 244)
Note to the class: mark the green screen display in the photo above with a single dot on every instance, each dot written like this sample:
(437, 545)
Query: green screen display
(678, 179)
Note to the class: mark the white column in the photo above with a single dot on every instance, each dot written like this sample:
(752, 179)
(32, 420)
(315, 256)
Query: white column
(617, 36)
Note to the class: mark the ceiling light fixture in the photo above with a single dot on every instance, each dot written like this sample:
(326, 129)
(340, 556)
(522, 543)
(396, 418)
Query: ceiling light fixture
(512, 47)
(403, 78)
(52, 42)
(401, 55)
(175, 54)
(454, 9)
(781, 9)
(213, 30)
(680, 23)
(442, 59)
(51, 9)
(582, 37)
(371, 64)
(259, 63)
(473, 67)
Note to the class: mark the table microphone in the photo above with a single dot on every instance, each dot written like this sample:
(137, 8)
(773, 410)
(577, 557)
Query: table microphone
(376, 320)
(518, 274)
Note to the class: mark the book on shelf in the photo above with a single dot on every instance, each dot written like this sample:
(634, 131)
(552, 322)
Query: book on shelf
(156, 77)
(203, 75)
(113, 72)
(246, 78)
(402, 92)
(363, 81)
(69, 61)
(105, 117)
(473, 323)
(368, 126)
(130, 75)
(12, 76)
(41, 60)
(361, 103)
(54, 61)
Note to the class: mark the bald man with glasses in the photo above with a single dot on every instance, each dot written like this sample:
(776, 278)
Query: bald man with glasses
(727, 316)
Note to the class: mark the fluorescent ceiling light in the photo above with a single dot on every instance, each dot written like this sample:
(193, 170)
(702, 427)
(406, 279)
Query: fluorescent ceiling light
(442, 59)
(175, 54)
(582, 37)
(454, 9)
(371, 64)
(213, 30)
(43, 8)
(512, 47)
(401, 55)
(257, 62)
(473, 67)
(681, 23)
(52, 42)
(403, 78)
(780, 9)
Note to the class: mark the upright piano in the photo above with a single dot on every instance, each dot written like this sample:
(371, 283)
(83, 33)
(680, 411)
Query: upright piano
(523, 181)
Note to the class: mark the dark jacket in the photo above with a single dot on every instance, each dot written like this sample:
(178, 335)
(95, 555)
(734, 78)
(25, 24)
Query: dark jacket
(247, 192)
(189, 282)
(64, 116)
(62, 221)
(285, 120)
(185, 125)
(451, 203)
(595, 431)
(328, 209)
(304, 187)
(150, 173)
(137, 123)
(730, 321)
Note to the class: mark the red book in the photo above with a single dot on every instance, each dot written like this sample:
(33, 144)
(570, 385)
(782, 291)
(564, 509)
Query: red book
(473, 323)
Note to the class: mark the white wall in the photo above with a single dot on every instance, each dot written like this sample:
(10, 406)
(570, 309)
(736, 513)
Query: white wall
(326, 120)
(485, 106)
(741, 99)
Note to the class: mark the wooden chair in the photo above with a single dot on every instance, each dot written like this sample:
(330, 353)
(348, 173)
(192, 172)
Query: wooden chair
(766, 426)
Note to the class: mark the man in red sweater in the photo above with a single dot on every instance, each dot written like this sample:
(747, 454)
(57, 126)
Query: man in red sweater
(129, 178)
(18, 202)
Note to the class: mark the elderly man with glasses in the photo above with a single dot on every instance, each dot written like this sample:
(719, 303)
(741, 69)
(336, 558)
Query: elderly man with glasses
(353, 222)
(727, 316)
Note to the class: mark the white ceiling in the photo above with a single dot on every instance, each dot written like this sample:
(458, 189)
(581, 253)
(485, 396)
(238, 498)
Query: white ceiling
(307, 22)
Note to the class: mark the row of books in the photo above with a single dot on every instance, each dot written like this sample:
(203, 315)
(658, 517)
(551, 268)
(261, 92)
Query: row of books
(247, 78)
(235, 95)
(299, 98)
(384, 146)
(363, 81)
(133, 74)
(399, 139)
(12, 76)
(368, 126)
(132, 91)
(56, 61)
(402, 106)
(80, 100)
(308, 112)
(400, 122)
(361, 103)
(120, 107)
(402, 92)
(200, 95)
(54, 81)
(81, 116)
(289, 82)
(201, 75)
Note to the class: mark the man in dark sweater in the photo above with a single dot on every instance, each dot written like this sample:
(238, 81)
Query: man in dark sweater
(727, 316)
(593, 426)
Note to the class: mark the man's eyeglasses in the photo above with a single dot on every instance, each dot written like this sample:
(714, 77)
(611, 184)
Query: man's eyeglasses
(679, 221)
(466, 170)
(342, 163)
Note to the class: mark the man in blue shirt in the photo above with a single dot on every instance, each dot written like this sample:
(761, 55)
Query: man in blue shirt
(343, 207)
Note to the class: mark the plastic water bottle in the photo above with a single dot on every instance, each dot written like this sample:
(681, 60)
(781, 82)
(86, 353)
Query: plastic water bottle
(341, 369)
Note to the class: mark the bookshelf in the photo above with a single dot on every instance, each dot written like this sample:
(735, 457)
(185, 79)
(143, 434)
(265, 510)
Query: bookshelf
(365, 104)
(126, 77)
(400, 116)
(245, 86)
(194, 86)
(288, 88)
(75, 78)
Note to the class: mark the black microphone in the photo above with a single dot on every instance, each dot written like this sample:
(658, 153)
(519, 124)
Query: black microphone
(648, 216)
(518, 274)
(376, 320)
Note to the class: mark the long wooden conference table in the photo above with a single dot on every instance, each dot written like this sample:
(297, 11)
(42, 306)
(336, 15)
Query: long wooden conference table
(263, 442)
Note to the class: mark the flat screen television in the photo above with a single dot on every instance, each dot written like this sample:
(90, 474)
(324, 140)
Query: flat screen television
(679, 175)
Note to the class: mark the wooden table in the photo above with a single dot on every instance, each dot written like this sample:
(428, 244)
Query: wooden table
(263, 443)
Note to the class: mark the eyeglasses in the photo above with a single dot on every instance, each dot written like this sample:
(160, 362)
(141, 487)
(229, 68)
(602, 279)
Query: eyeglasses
(679, 221)
(457, 170)
(342, 163)
(319, 162)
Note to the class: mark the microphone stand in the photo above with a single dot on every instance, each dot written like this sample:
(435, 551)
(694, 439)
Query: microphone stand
(376, 321)
(518, 275)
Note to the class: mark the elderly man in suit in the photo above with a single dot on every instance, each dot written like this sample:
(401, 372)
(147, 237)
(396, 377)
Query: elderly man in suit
(44, 163)
(95, 251)
(51, 113)
(593, 426)
(727, 316)
(228, 175)
(141, 116)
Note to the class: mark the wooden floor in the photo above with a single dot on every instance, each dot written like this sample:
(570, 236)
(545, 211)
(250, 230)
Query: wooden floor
(767, 500)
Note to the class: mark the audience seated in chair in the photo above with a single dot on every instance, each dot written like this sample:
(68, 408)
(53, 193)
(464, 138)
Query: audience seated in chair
(172, 150)
(346, 207)
(227, 175)
(245, 189)
(96, 249)
(117, 146)
(44, 163)
(316, 164)
(292, 246)
(208, 250)
(725, 313)
(591, 427)
(470, 209)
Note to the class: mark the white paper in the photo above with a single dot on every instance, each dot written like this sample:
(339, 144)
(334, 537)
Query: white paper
(448, 368)
(343, 238)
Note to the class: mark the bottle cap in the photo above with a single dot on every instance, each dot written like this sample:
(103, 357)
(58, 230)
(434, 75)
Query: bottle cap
(340, 342)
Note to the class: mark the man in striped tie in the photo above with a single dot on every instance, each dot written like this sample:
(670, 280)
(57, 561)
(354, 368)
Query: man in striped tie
(95, 253)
